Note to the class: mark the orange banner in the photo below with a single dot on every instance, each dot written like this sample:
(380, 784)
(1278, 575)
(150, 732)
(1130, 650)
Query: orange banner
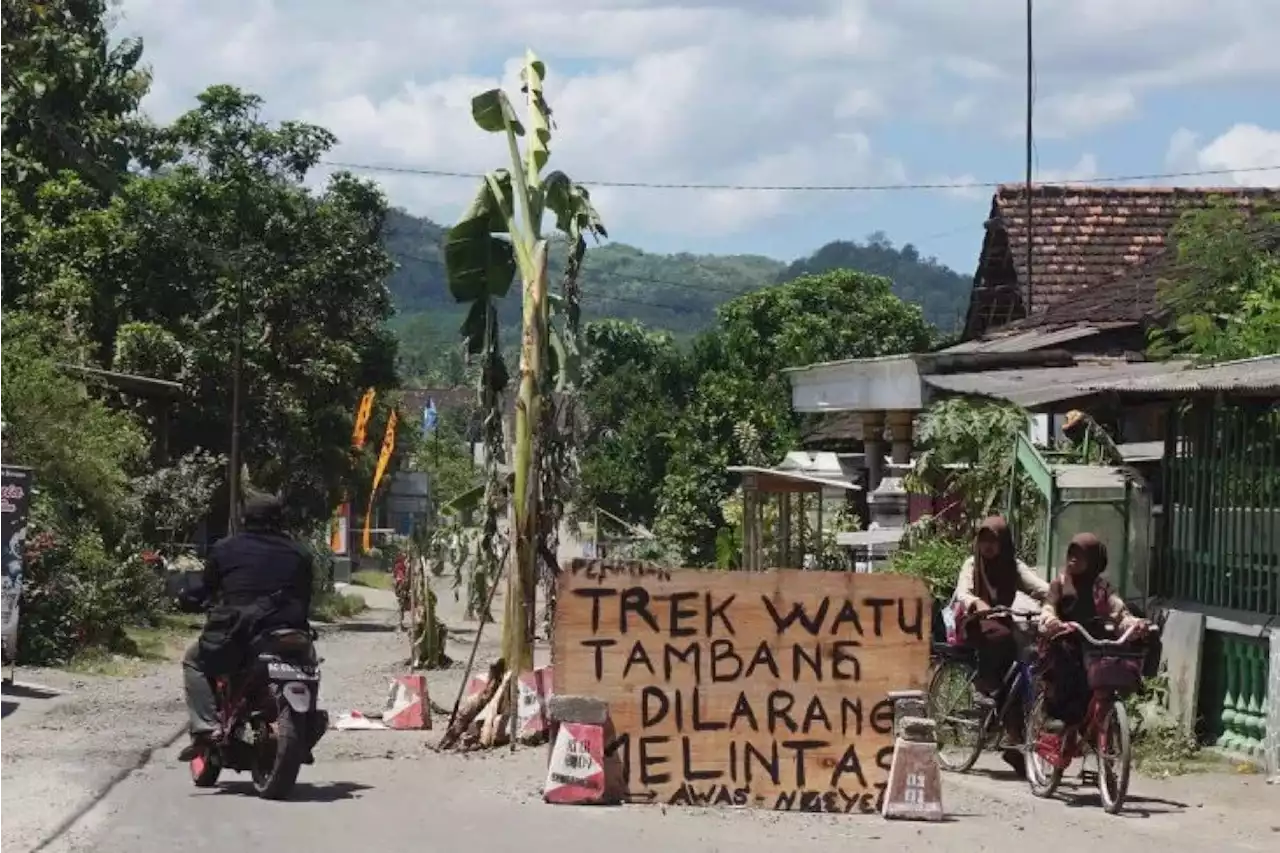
(384, 459)
(338, 525)
(363, 413)
(338, 529)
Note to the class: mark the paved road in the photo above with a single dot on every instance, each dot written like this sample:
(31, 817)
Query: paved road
(387, 791)
(489, 804)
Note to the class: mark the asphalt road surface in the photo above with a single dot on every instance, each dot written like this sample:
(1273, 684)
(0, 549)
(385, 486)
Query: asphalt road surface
(387, 791)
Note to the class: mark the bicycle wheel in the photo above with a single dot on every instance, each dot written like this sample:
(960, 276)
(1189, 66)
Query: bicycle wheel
(1042, 776)
(960, 713)
(1114, 756)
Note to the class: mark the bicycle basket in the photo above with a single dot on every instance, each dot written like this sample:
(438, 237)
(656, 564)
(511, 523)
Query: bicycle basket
(1119, 670)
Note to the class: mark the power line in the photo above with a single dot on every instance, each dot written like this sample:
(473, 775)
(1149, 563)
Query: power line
(902, 187)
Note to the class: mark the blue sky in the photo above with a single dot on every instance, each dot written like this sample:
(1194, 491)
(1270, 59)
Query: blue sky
(800, 92)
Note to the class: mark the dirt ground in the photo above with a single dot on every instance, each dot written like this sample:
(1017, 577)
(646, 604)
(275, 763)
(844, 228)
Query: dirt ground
(80, 774)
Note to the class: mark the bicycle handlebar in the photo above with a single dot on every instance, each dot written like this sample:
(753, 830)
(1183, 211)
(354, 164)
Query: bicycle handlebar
(1094, 641)
(993, 612)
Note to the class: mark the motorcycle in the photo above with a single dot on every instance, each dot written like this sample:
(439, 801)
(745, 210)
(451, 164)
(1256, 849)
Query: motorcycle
(268, 715)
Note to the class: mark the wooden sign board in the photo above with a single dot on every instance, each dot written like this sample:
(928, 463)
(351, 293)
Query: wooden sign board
(764, 689)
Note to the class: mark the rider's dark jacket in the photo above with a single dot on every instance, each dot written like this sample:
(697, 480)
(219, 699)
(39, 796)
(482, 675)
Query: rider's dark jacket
(242, 569)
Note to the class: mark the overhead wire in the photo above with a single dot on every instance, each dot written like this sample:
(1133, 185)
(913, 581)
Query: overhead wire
(833, 188)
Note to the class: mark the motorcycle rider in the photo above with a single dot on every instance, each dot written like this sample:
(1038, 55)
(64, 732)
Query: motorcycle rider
(258, 580)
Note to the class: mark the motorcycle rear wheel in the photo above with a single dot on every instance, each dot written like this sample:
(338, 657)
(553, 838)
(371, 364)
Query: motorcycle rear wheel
(205, 769)
(279, 758)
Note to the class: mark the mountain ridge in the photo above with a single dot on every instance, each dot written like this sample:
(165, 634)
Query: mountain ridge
(678, 292)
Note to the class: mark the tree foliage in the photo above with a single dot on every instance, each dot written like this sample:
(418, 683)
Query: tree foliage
(941, 292)
(160, 278)
(667, 424)
(1223, 292)
(148, 250)
(71, 94)
(968, 453)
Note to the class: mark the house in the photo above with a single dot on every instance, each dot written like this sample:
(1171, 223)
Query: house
(1097, 255)
(1088, 248)
(1215, 582)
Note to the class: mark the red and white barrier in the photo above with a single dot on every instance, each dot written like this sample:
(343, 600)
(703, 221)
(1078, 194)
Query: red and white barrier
(535, 687)
(408, 705)
(576, 774)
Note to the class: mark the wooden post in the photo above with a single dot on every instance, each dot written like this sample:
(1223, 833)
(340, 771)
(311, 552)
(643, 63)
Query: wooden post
(784, 530)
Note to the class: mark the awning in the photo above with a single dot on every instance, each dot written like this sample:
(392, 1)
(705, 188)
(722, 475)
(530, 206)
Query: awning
(871, 538)
(776, 480)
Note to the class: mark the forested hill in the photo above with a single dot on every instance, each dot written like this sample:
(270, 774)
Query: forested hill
(679, 292)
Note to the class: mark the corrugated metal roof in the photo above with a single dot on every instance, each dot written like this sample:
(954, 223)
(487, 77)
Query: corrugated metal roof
(1254, 376)
(1040, 386)
(1032, 339)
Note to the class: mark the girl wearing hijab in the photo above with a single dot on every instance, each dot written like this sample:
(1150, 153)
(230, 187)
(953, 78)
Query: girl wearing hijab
(992, 577)
(1081, 595)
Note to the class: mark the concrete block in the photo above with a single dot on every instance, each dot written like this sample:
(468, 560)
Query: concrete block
(1182, 639)
(578, 709)
(914, 791)
(918, 730)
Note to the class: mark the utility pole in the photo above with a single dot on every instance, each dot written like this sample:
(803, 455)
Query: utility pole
(1029, 152)
(237, 369)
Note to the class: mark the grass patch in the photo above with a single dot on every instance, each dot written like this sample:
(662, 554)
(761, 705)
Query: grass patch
(332, 606)
(138, 648)
(1161, 747)
(373, 578)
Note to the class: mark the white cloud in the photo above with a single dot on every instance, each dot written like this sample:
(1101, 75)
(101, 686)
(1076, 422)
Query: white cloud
(1243, 146)
(1182, 149)
(710, 91)
(1085, 169)
(1072, 114)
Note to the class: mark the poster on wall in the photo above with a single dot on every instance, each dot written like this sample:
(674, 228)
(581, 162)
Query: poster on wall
(16, 493)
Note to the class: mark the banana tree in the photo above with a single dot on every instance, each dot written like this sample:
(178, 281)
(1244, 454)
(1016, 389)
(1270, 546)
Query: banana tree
(499, 237)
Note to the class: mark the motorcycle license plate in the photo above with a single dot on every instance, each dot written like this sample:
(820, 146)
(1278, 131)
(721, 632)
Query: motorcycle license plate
(280, 671)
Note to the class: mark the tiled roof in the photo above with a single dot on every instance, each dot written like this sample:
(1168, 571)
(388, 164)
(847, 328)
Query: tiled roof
(1081, 236)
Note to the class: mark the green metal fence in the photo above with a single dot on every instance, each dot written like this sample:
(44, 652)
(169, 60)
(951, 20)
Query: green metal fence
(1233, 693)
(1221, 532)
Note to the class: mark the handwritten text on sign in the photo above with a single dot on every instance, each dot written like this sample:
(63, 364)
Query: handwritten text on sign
(743, 688)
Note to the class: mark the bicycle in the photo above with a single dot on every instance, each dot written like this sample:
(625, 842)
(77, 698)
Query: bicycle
(953, 684)
(1114, 669)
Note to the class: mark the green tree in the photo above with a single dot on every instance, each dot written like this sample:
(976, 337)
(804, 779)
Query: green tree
(83, 452)
(941, 292)
(969, 453)
(71, 94)
(445, 455)
(226, 236)
(1223, 291)
(633, 388)
(739, 408)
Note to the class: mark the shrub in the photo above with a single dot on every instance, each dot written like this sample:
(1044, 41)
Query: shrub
(935, 559)
(77, 594)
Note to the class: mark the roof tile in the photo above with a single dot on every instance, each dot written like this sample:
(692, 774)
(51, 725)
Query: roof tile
(1081, 235)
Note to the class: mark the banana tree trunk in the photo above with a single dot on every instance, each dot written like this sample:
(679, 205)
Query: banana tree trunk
(522, 584)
